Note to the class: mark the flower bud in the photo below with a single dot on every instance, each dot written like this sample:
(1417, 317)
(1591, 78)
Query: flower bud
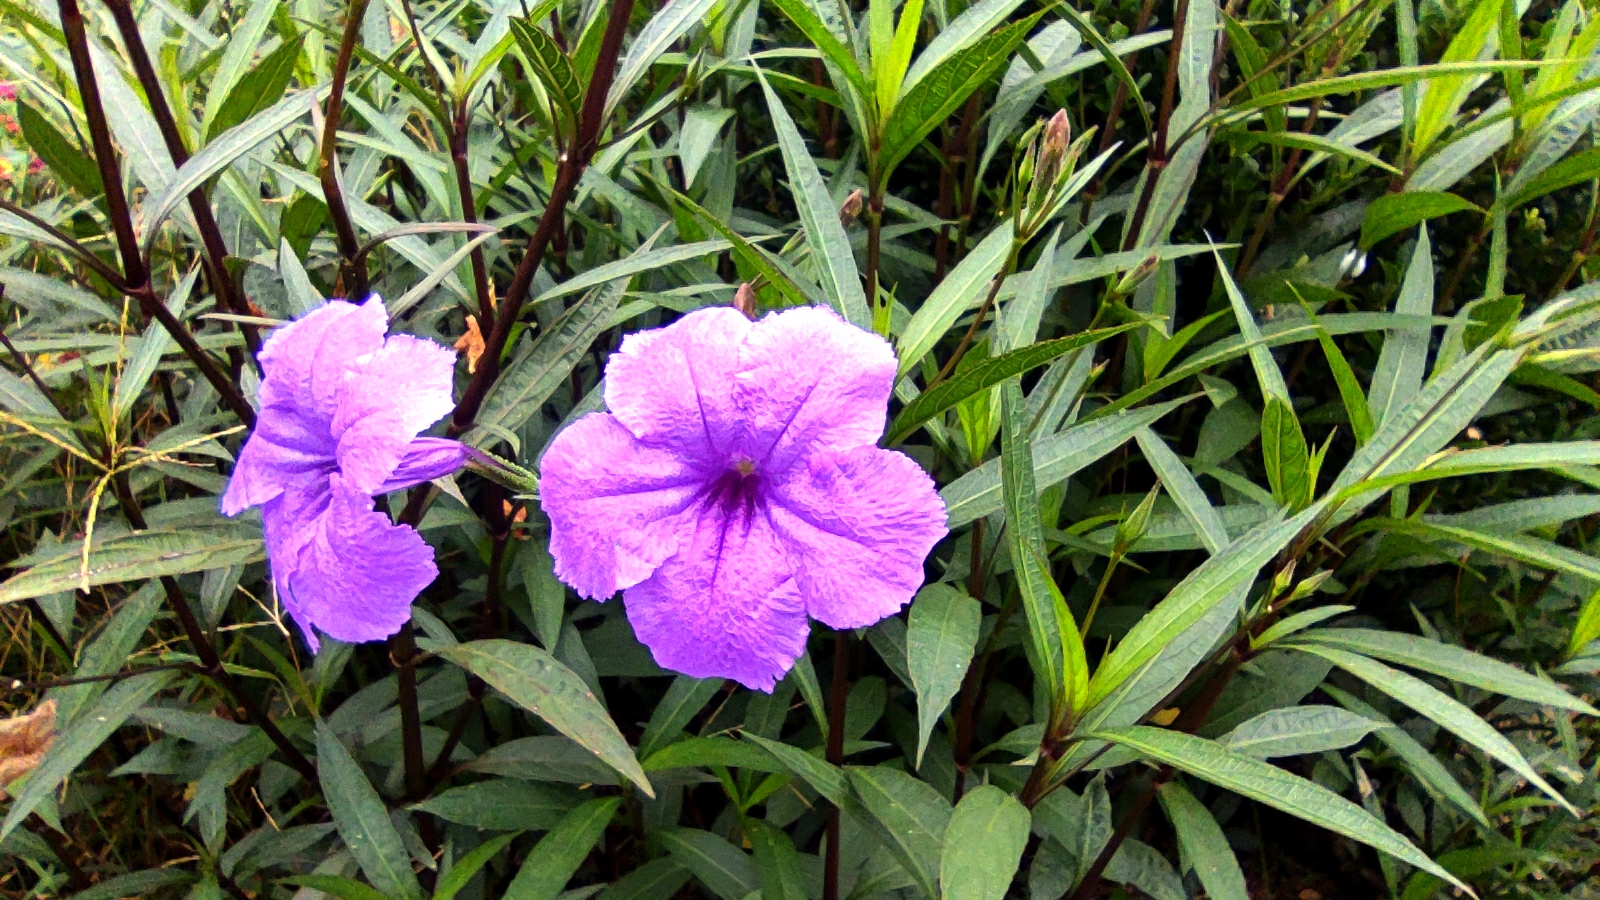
(851, 208)
(744, 300)
(1057, 138)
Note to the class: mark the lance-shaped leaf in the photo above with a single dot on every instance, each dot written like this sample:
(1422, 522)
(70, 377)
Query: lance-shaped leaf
(551, 66)
(1283, 447)
(552, 861)
(362, 820)
(1266, 783)
(136, 556)
(940, 639)
(1205, 848)
(983, 845)
(910, 818)
(536, 681)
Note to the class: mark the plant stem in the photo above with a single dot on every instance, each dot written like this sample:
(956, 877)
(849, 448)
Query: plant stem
(977, 320)
(839, 697)
(209, 659)
(1468, 254)
(874, 216)
(135, 280)
(216, 250)
(469, 213)
(972, 683)
(352, 273)
(1108, 134)
(573, 163)
(403, 653)
(1158, 145)
(1581, 254)
(1130, 818)
(1100, 592)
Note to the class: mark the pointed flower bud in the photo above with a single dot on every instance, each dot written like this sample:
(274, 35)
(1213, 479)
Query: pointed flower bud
(851, 208)
(744, 300)
(1057, 138)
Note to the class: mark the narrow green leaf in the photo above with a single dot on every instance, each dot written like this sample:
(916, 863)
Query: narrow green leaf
(986, 374)
(1441, 102)
(535, 373)
(830, 246)
(1438, 706)
(824, 777)
(1204, 846)
(1184, 490)
(336, 886)
(454, 880)
(1449, 661)
(138, 555)
(552, 861)
(932, 99)
(777, 862)
(362, 819)
(722, 868)
(1296, 731)
(1394, 213)
(658, 879)
(1283, 447)
(84, 736)
(244, 39)
(502, 804)
(1350, 394)
(1266, 783)
(983, 845)
(71, 163)
(963, 288)
(1026, 537)
(1423, 765)
(911, 818)
(671, 22)
(1267, 373)
(260, 88)
(834, 50)
(684, 699)
(940, 639)
(553, 69)
(536, 681)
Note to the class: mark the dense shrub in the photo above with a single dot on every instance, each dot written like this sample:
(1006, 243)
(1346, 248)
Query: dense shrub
(1194, 487)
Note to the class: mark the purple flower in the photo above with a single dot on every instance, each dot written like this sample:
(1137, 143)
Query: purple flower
(735, 488)
(341, 408)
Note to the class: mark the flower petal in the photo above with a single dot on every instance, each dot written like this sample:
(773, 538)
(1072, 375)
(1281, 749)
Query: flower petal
(396, 392)
(673, 386)
(283, 449)
(809, 381)
(425, 459)
(727, 605)
(355, 574)
(615, 504)
(857, 526)
(305, 362)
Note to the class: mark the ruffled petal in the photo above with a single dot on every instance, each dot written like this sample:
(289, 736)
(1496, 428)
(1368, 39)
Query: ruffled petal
(615, 504)
(673, 387)
(392, 395)
(809, 382)
(355, 574)
(727, 605)
(286, 521)
(283, 448)
(425, 459)
(306, 361)
(856, 526)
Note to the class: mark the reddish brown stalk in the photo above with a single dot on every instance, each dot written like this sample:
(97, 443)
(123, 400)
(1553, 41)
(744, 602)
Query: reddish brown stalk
(135, 280)
(1157, 160)
(953, 156)
(1108, 135)
(216, 250)
(837, 701)
(572, 165)
(352, 272)
(469, 213)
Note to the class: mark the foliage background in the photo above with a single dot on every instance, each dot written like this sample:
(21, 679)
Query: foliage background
(1307, 534)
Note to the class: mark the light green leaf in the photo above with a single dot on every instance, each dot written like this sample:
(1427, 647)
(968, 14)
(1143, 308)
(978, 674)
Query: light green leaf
(1205, 848)
(1394, 213)
(1296, 731)
(1055, 459)
(961, 289)
(1423, 765)
(363, 822)
(1476, 39)
(136, 556)
(1449, 661)
(75, 744)
(1184, 490)
(552, 861)
(220, 154)
(976, 21)
(940, 639)
(1283, 447)
(1267, 374)
(153, 344)
(911, 818)
(672, 22)
(244, 39)
(1266, 783)
(830, 246)
(536, 681)
(1438, 706)
(983, 845)
(1025, 536)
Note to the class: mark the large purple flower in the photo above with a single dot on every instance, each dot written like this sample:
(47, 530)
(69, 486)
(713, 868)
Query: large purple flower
(735, 488)
(341, 408)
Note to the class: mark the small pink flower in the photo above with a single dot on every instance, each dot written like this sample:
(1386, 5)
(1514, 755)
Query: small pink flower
(8, 91)
(35, 165)
(9, 123)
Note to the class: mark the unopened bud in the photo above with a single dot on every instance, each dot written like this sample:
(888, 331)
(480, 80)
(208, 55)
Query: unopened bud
(851, 208)
(1057, 138)
(744, 300)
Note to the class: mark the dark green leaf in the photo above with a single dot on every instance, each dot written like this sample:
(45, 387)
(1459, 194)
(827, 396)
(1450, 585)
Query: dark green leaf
(71, 163)
(549, 866)
(362, 819)
(1393, 213)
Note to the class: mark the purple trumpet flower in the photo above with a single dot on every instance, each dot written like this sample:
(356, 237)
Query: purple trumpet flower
(735, 489)
(341, 408)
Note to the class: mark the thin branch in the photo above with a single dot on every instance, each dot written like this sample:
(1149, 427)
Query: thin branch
(89, 259)
(216, 250)
(352, 271)
(837, 701)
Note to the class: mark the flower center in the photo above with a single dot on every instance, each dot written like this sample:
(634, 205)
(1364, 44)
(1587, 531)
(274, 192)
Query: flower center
(746, 467)
(737, 487)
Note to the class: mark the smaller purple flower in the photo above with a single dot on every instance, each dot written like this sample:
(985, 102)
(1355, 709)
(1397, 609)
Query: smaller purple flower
(735, 489)
(341, 408)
